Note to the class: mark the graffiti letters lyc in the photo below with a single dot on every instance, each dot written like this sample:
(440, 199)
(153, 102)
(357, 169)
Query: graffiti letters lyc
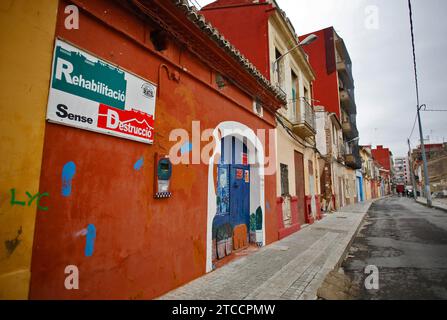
(31, 198)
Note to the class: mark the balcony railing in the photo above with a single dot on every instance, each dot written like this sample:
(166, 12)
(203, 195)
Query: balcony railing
(352, 156)
(348, 100)
(345, 68)
(303, 122)
(347, 127)
(341, 153)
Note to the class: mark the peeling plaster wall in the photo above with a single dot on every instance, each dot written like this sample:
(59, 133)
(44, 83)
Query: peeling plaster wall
(27, 37)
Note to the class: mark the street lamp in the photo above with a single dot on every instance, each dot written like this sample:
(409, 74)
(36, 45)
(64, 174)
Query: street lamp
(308, 40)
(355, 139)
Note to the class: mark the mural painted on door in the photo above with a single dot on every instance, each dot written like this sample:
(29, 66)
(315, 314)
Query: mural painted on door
(236, 201)
(231, 225)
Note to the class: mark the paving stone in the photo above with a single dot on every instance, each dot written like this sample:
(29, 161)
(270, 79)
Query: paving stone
(292, 268)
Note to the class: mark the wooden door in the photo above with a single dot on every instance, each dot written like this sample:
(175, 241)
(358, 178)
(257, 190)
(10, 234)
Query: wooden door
(299, 185)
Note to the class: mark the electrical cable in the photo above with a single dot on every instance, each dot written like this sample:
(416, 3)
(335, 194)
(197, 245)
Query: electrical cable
(414, 126)
(414, 52)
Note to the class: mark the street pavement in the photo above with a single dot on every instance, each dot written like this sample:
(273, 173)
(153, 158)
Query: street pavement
(407, 241)
(290, 269)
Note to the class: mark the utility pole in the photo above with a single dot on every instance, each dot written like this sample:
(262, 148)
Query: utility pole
(424, 160)
(424, 157)
(410, 164)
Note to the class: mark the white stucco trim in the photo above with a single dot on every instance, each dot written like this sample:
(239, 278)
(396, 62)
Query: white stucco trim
(254, 145)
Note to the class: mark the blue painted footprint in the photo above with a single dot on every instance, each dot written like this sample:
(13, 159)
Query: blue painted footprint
(137, 166)
(68, 173)
(90, 240)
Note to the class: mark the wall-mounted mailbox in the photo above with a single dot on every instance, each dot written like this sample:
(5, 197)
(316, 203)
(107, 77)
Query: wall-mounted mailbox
(163, 173)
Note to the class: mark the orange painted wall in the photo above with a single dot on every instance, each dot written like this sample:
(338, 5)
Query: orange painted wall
(144, 247)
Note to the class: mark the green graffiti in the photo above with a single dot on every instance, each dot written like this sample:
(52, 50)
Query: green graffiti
(37, 197)
(13, 199)
(45, 194)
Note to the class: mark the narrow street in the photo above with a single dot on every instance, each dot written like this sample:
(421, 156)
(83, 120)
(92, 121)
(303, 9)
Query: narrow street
(290, 269)
(408, 243)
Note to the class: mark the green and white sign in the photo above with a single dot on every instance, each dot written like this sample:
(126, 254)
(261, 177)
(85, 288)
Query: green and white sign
(89, 93)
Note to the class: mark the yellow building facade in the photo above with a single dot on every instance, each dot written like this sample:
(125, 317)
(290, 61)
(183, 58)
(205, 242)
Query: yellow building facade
(27, 35)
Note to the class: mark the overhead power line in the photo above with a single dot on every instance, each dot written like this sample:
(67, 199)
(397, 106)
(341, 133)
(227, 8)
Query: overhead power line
(414, 126)
(196, 4)
(414, 52)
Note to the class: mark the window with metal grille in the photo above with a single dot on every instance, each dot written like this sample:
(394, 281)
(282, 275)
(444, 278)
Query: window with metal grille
(284, 179)
(279, 69)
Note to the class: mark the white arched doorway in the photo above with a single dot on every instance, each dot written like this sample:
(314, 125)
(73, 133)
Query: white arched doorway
(256, 158)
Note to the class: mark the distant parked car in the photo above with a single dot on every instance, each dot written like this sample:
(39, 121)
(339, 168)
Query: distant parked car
(439, 195)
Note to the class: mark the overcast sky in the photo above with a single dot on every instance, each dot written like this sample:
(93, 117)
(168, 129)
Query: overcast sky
(380, 51)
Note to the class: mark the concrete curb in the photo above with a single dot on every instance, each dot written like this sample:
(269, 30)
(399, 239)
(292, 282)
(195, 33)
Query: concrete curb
(348, 246)
(434, 206)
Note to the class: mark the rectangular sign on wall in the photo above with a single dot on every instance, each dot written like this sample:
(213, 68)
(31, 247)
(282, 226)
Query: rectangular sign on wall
(89, 93)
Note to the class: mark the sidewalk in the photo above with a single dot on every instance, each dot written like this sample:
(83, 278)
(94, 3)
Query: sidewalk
(290, 269)
(437, 204)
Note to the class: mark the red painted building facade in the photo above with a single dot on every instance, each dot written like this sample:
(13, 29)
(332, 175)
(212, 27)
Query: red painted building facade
(382, 156)
(126, 243)
(230, 18)
(323, 60)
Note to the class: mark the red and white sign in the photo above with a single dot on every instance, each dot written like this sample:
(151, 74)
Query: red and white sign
(126, 122)
(89, 93)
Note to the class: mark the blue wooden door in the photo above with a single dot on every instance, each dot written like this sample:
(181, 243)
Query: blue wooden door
(233, 198)
(239, 195)
(360, 189)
